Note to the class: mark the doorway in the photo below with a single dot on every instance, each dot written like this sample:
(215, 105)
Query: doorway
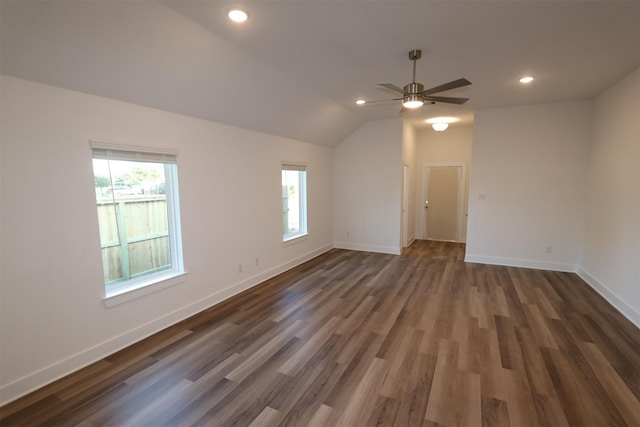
(443, 205)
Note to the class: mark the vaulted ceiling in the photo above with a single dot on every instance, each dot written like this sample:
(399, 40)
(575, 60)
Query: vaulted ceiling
(295, 68)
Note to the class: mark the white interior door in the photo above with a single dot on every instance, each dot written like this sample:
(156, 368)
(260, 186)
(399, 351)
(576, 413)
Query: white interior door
(442, 203)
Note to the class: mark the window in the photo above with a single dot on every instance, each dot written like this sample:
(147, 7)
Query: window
(138, 216)
(294, 201)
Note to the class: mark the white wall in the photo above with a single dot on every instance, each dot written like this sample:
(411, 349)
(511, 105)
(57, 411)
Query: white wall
(452, 146)
(409, 158)
(529, 164)
(368, 188)
(53, 320)
(611, 256)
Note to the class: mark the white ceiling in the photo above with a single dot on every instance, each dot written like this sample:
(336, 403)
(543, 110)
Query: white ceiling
(296, 67)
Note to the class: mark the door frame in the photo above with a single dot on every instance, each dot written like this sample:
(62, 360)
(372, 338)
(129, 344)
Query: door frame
(406, 188)
(461, 192)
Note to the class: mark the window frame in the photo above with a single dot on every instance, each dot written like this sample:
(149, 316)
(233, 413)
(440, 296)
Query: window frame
(116, 293)
(303, 201)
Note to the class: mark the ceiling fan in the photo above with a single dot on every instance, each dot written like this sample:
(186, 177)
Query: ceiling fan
(414, 95)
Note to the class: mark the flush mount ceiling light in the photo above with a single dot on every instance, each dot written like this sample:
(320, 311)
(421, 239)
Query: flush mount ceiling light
(238, 15)
(361, 102)
(526, 79)
(439, 127)
(440, 124)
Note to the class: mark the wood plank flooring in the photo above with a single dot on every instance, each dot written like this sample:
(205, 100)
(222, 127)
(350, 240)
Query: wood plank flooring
(363, 339)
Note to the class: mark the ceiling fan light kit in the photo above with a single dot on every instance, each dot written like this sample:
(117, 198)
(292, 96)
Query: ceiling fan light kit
(415, 96)
(440, 127)
(412, 101)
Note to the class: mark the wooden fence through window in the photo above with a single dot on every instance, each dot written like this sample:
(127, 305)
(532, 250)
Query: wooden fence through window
(134, 236)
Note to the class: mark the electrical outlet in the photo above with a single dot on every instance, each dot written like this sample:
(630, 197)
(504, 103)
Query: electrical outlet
(257, 260)
(548, 250)
(348, 234)
(240, 268)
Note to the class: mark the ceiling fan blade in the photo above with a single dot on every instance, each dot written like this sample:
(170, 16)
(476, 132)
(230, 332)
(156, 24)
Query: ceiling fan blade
(447, 86)
(446, 99)
(392, 87)
(381, 101)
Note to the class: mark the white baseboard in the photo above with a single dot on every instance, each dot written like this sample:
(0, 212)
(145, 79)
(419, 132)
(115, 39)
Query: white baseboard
(524, 263)
(444, 240)
(625, 309)
(55, 371)
(368, 248)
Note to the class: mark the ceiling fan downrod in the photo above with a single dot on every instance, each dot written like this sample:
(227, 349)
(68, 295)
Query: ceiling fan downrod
(413, 87)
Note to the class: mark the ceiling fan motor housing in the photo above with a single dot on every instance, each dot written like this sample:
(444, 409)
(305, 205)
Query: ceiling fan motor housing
(414, 88)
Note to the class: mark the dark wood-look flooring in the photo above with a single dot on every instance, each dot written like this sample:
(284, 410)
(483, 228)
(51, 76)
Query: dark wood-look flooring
(363, 339)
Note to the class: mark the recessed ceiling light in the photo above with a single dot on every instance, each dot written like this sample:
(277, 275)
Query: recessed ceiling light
(526, 79)
(361, 102)
(237, 15)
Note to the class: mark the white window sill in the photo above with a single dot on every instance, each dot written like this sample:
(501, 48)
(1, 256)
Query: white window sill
(143, 288)
(295, 239)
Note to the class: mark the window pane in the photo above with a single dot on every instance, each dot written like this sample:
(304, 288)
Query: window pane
(293, 203)
(133, 218)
